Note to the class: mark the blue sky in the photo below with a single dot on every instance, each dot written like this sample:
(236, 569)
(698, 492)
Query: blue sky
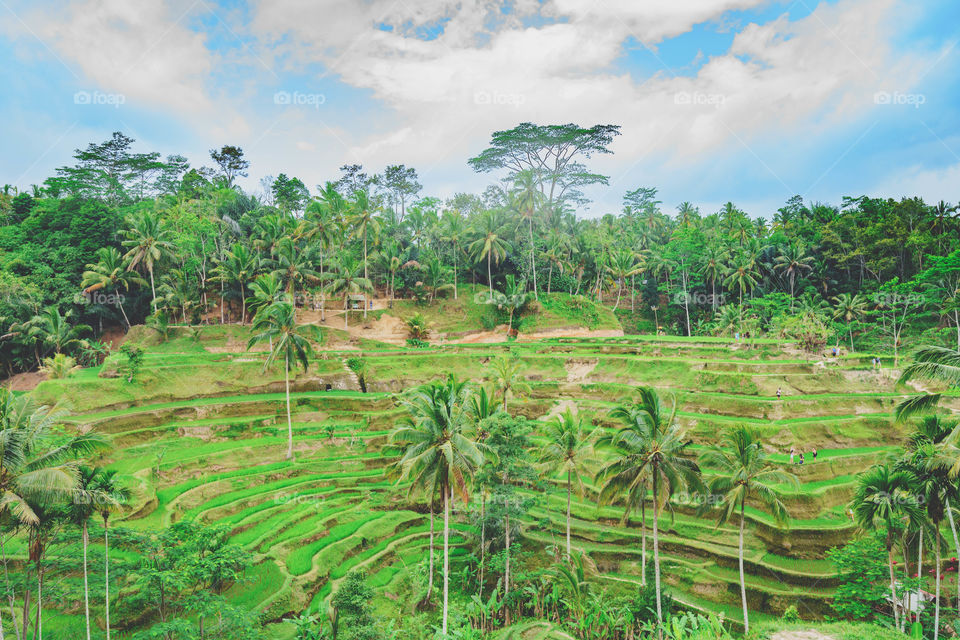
(744, 100)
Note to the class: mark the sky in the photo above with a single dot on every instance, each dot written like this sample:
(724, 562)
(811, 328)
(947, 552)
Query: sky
(749, 101)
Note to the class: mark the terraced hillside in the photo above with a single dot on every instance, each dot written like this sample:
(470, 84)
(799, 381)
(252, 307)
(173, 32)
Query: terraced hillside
(202, 434)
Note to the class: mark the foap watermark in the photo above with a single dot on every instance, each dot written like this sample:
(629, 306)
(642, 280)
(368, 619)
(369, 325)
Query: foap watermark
(99, 98)
(499, 98)
(299, 499)
(299, 99)
(886, 299)
(699, 299)
(98, 297)
(699, 98)
(898, 98)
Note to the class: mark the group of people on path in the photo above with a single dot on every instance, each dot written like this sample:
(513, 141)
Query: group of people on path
(800, 460)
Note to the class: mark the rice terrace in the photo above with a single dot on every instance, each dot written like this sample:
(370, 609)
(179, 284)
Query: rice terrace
(480, 321)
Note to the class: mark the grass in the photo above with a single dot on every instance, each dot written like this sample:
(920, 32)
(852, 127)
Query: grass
(222, 435)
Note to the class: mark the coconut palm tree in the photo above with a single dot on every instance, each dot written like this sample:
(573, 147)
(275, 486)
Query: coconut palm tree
(490, 245)
(277, 324)
(714, 258)
(113, 496)
(792, 260)
(568, 448)
(293, 264)
(438, 451)
(86, 500)
(453, 230)
(622, 265)
(937, 364)
(239, 266)
(935, 490)
(527, 199)
(51, 329)
(364, 222)
(148, 243)
(743, 473)
(506, 377)
(110, 273)
(38, 467)
(347, 281)
(320, 227)
(650, 444)
(849, 308)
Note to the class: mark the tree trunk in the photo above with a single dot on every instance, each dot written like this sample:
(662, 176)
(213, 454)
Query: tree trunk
(86, 588)
(38, 633)
(569, 491)
(123, 312)
(743, 582)
(106, 575)
(365, 301)
(243, 305)
(893, 586)
(6, 583)
(454, 272)
(153, 291)
(446, 557)
(643, 538)
(533, 264)
(323, 295)
(489, 277)
(936, 612)
(430, 578)
(346, 313)
(656, 556)
(956, 546)
(506, 569)
(286, 380)
(483, 535)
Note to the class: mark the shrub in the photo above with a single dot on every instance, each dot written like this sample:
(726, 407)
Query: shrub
(59, 366)
(417, 328)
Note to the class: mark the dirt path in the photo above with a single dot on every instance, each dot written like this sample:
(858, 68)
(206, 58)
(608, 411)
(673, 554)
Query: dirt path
(809, 634)
(27, 381)
(560, 407)
(578, 370)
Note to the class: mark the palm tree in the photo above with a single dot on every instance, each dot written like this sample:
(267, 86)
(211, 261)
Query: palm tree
(651, 444)
(110, 272)
(454, 229)
(568, 447)
(622, 265)
(113, 496)
(293, 264)
(239, 266)
(37, 467)
(714, 257)
(743, 473)
(52, 329)
(793, 259)
(848, 309)
(363, 221)
(527, 199)
(506, 377)
(490, 245)
(935, 490)
(438, 452)
(148, 244)
(277, 324)
(265, 290)
(347, 281)
(86, 500)
(743, 275)
(938, 364)
(320, 227)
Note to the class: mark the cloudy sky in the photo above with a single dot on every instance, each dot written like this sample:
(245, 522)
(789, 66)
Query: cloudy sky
(745, 100)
